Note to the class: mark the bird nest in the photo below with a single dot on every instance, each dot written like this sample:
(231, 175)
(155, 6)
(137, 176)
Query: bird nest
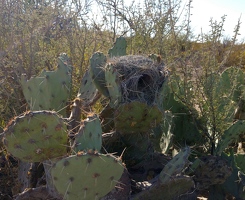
(140, 77)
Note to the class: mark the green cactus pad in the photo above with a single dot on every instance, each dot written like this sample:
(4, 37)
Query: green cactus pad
(235, 183)
(113, 86)
(51, 89)
(230, 135)
(231, 82)
(167, 136)
(119, 48)
(87, 176)
(228, 87)
(183, 126)
(176, 165)
(240, 161)
(97, 63)
(36, 136)
(87, 91)
(162, 136)
(89, 135)
(136, 117)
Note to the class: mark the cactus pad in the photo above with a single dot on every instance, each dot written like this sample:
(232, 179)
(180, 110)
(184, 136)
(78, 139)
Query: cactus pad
(97, 64)
(119, 48)
(89, 135)
(240, 161)
(87, 176)
(36, 136)
(136, 117)
(230, 135)
(231, 82)
(176, 165)
(113, 86)
(87, 91)
(51, 89)
(167, 136)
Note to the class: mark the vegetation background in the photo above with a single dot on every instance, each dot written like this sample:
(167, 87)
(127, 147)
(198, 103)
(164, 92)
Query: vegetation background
(34, 32)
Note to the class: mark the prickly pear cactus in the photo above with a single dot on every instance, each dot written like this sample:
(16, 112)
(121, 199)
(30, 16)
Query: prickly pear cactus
(240, 161)
(227, 85)
(97, 64)
(89, 135)
(119, 48)
(51, 89)
(87, 92)
(86, 176)
(162, 136)
(231, 83)
(183, 126)
(113, 85)
(136, 117)
(235, 179)
(176, 165)
(132, 84)
(36, 136)
(230, 135)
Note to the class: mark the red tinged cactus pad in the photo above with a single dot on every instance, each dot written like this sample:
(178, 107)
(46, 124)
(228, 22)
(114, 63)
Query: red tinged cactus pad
(36, 136)
(136, 117)
(86, 176)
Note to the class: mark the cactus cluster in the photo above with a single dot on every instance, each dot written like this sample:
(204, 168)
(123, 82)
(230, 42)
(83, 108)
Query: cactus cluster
(43, 136)
(228, 113)
(144, 117)
(132, 85)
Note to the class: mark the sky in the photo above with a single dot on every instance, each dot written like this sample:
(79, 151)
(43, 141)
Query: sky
(203, 10)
